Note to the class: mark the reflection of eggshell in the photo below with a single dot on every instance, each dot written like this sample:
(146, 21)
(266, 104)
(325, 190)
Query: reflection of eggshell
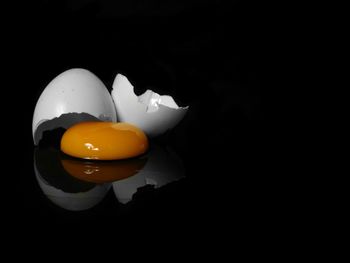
(62, 189)
(125, 189)
(73, 201)
(163, 167)
(151, 112)
(73, 96)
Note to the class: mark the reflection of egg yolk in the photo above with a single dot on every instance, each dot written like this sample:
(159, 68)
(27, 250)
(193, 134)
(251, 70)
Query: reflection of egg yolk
(104, 141)
(103, 172)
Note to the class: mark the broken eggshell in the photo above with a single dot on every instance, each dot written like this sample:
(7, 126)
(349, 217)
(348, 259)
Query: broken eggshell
(151, 112)
(74, 96)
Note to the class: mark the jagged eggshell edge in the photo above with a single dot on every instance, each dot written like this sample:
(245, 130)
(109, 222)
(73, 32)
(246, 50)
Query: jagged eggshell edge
(130, 109)
(77, 94)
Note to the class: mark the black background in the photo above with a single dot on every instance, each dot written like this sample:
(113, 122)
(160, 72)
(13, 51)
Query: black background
(210, 55)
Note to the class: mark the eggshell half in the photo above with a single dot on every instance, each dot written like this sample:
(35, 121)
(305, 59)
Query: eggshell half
(151, 112)
(73, 96)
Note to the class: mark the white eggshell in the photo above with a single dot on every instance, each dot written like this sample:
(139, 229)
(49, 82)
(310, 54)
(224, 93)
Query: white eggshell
(151, 112)
(163, 167)
(74, 91)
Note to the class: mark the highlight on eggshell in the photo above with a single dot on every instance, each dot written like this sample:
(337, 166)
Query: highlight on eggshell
(153, 113)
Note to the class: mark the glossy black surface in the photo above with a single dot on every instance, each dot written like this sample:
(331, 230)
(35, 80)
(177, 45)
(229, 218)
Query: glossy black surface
(210, 55)
(79, 185)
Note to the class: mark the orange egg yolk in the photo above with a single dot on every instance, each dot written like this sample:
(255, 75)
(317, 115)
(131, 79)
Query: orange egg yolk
(104, 141)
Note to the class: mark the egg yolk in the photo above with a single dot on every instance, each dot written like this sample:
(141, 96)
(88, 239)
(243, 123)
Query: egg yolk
(104, 141)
